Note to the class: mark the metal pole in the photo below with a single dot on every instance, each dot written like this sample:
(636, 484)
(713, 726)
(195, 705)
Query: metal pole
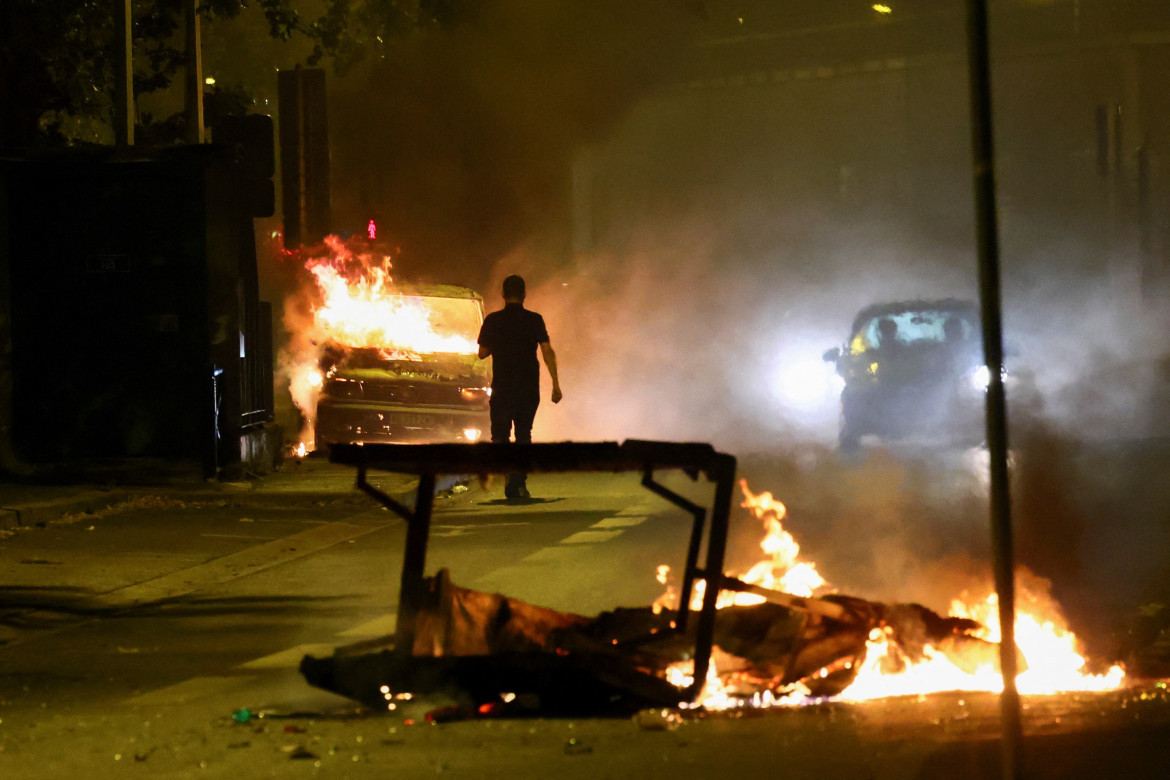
(987, 239)
(724, 474)
(412, 589)
(194, 76)
(123, 75)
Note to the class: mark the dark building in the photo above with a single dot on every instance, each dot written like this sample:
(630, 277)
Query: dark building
(134, 325)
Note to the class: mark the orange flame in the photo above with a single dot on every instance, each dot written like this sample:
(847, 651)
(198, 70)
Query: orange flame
(362, 308)
(1042, 637)
(352, 301)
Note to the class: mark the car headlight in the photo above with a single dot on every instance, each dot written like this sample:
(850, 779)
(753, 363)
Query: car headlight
(805, 383)
(475, 394)
(340, 387)
(980, 377)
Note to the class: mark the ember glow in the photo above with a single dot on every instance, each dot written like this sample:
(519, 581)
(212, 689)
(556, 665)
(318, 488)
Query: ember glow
(352, 301)
(1051, 662)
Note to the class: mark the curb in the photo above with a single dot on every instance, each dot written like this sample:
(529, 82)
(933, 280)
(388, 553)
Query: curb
(33, 513)
(37, 512)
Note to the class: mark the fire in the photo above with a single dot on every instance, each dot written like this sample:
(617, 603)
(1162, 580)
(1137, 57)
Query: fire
(782, 570)
(1053, 664)
(352, 301)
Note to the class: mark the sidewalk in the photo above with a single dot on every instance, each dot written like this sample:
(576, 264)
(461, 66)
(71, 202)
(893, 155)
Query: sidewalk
(312, 479)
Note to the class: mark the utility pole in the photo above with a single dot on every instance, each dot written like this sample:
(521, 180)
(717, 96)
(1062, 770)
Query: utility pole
(194, 76)
(123, 75)
(987, 238)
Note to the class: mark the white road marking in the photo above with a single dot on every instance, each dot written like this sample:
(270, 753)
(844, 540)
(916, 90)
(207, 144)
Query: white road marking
(619, 522)
(289, 658)
(476, 525)
(590, 537)
(464, 529)
(236, 536)
(555, 554)
(387, 624)
(455, 531)
(187, 690)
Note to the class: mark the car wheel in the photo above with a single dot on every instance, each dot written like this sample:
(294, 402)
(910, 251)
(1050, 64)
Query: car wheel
(848, 440)
(321, 445)
(849, 435)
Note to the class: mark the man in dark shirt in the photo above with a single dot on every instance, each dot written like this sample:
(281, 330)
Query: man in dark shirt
(510, 336)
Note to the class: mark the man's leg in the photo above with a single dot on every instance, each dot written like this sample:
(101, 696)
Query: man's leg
(502, 412)
(501, 417)
(524, 414)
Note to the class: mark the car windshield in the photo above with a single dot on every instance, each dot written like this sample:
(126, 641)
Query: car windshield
(402, 325)
(458, 317)
(911, 328)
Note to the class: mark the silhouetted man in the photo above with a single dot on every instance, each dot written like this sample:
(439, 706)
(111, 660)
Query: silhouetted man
(511, 337)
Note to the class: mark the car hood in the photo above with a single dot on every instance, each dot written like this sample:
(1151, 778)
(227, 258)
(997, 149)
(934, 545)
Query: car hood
(445, 369)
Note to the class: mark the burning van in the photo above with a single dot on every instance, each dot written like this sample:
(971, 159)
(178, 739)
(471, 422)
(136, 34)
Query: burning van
(424, 383)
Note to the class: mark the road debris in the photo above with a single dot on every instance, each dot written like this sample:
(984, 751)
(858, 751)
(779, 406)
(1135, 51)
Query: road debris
(509, 657)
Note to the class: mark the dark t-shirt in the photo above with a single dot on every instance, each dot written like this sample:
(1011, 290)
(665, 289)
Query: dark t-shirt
(512, 334)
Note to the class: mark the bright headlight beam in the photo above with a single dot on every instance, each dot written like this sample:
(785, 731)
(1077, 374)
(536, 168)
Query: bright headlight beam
(980, 378)
(804, 382)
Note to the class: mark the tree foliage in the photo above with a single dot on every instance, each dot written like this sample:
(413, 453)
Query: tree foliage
(350, 30)
(57, 56)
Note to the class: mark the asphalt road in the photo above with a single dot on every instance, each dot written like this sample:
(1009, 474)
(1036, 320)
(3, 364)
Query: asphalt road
(131, 637)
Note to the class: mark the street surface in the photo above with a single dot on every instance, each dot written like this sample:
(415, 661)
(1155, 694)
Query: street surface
(130, 636)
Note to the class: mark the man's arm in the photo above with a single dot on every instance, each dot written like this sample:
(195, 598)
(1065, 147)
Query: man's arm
(484, 338)
(550, 361)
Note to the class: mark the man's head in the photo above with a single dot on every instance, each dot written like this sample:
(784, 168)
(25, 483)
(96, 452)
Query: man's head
(514, 289)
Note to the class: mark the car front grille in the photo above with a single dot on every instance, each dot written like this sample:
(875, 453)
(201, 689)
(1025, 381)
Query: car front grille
(412, 394)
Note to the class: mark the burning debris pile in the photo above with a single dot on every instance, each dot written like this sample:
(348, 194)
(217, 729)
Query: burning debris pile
(774, 643)
(384, 354)
(494, 649)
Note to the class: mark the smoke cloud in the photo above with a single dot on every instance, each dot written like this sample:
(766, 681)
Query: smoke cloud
(727, 251)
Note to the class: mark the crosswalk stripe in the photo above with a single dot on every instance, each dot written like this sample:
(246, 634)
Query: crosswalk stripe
(590, 537)
(185, 691)
(290, 657)
(554, 554)
(381, 626)
(619, 522)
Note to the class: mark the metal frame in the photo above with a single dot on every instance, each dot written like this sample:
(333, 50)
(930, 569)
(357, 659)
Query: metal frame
(427, 461)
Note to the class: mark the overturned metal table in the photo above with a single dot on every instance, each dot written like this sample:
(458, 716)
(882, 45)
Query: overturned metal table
(428, 461)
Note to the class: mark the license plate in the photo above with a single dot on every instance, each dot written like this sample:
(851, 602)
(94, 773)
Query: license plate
(409, 420)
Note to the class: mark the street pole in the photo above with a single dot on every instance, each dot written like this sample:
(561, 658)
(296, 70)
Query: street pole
(987, 240)
(194, 76)
(123, 75)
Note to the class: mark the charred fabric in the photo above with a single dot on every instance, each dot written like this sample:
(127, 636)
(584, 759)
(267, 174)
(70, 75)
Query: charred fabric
(501, 655)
